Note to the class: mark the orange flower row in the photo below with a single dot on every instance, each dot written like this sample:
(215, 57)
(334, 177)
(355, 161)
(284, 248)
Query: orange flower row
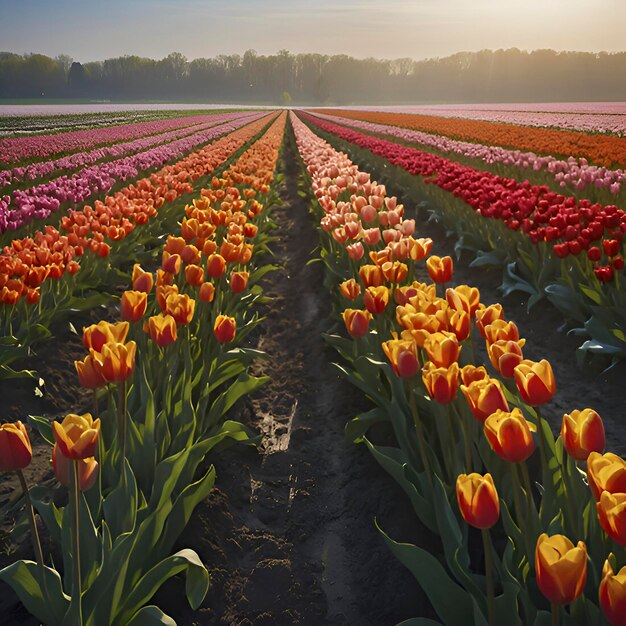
(606, 150)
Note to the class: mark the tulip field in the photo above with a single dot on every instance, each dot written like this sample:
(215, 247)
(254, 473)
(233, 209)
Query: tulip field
(183, 299)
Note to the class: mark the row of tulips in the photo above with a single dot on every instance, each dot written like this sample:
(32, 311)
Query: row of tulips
(38, 275)
(545, 542)
(548, 244)
(595, 119)
(167, 374)
(574, 172)
(15, 149)
(38, 202)
(602, 150)
(76, 160)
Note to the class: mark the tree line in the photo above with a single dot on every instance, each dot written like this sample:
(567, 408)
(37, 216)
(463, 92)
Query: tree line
(509, 75)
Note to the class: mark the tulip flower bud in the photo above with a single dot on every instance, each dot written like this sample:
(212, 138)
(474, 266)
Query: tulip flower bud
(180, 307)
(535, 382)
(439, 268)
(89, 373)
(463, 298)
(402, 355)
(356, 321)
(606, 472)
(441, 383)
(471, 373)
(116, 362)
(484, 397)
(96, 335)
(77, 435)
(142, 281)
(194, 275)
(171, 262)
(394, 272)
(486, 316)
(162, 329)
(612, 595)
(419, 248)
(133, 305)
(499, 330)
(560, 568)
(612, 515)
(478, 500)
(505, 356)
(87, 470)
(376, 299)
(207, 292)
(371, 275)
(216, 265)
(238, 281)
(442, 348)
(509, 435)
(225, 328)
(15, 449)
(582, 432)
(350, 289)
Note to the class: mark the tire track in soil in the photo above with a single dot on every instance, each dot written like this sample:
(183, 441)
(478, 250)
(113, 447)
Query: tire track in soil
(288, 533)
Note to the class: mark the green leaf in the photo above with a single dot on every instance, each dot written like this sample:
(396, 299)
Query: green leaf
(120, 506)
(451, 602)
(151, 616)
(357, 427)
(43, 426)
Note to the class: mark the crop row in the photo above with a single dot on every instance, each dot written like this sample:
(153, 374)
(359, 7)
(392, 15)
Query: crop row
(175, 367)
(528, 524)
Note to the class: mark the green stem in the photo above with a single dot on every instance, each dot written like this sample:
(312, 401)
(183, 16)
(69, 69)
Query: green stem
(122, 428)
(453, 439)
(489, 576)
(77, 583)
(530, 503)
(517, 487)
(33, 531)
(420, 433)
(555, 614)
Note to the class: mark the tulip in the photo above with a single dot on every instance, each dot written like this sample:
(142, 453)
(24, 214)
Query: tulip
(376, 299)
(471, 373)
(77, 435)
(535, 382)
(442, 348)
(163, 292)
(487, 315)
(560, 568)
(89, 373)
(606, 472)
(87, 470)
(441, 383)
(194, 275)
(371, 275)
(163, 278)
(439, 268)
(207, 292)
(216, 265)
(133, 305)
(238, 281)
(505, 356)
(484, 397)
(171, 263)
(96, 335)
(225, 328)
(403, 357)
(142, 281)
(458, 323)
(582, 432)
(420, 248)
(612, 595)
(357, 321)
(394, 272)
(478, 500)
(180, 307)
(350, 289)
(190, 254)
(15, 449)
(509, 435)
(162, 329)
(116, 362)
(500, 330)
(463, 298)
(612, 515)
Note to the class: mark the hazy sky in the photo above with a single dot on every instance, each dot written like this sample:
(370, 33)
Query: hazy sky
(88, 30)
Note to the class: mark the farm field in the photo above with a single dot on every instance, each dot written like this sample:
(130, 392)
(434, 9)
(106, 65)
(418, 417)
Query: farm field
(348, 365)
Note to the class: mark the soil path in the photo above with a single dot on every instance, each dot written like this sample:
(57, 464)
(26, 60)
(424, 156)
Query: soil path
(288, 534)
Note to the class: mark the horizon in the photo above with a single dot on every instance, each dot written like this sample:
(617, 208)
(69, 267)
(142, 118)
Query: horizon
(358, 28)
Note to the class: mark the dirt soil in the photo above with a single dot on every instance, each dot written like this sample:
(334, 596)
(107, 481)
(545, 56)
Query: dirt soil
(288, 533)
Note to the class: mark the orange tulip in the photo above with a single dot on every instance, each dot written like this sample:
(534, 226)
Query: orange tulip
(350, 289)
(133, 305)
(225, 328)
(439, 268)
(180, 307)
(207, 292)
(419, 248)
(500, 330)
(376, 299)
(463, 298)
(96, 335)
(484, 397)
(171, 263)
(441, 383)
(162, 329)
(487, 315)
(356, 321)
(190, 254)
(606, 472)
(87, 470)
(582, 432)
(216, 265)
(163, 292)
(471, 373)
(238, 281)
(505, 356)
(142, 281)
(478, 500)
(509, 435)
(371, 275)
(403, 357)
(612, 595)
(560, 568)
(194, 275)
(89, 373)
(174, 245)
(535, 382)
(394, 272)
(15, 449)
(77, 435)
(163, 278)
(612, 515)
(458, 322)
(116, 362)
(442, 348)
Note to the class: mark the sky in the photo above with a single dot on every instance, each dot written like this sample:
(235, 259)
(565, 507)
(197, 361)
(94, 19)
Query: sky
(89, 30)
